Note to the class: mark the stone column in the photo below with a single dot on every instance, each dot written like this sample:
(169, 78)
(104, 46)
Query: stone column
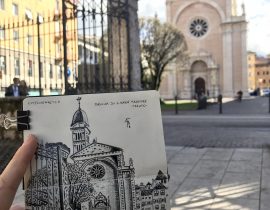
(214, 83)
(228, 8)
(227, 88)
(118, 45)
(187, 84)
(134, 46)
(124, 43)
(169, 11)
(175, 90)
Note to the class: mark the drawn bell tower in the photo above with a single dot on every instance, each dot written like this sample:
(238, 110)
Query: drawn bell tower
(80, 129)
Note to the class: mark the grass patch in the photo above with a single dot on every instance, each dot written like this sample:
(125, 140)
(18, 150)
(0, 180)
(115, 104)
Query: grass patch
(181, 107)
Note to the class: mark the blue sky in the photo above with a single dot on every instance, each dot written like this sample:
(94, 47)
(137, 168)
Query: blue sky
(258, 17)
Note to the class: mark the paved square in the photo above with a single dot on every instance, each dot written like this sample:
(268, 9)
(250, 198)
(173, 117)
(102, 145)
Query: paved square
(221, 179)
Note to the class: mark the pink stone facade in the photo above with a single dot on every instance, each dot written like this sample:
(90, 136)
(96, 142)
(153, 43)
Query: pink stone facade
(216, 39)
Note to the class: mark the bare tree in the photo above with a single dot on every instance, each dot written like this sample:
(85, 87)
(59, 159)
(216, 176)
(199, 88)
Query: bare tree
(80, 189)
(161, 44)
(38, 188)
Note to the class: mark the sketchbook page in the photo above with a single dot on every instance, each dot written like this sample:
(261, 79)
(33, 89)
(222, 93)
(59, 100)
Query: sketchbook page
(100, 151)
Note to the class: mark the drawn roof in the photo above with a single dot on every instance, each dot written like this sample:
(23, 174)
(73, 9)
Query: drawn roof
(137, 187)
(161, 175)
(96, 148)
(160, 186)
(79, 117)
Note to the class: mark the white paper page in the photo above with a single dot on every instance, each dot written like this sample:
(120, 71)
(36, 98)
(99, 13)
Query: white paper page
(99, 151)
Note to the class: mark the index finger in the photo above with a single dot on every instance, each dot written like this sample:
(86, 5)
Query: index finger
(14, 172)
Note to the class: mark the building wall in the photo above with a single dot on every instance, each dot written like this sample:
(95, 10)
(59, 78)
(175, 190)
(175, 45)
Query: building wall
(263, 76)
(212, 41)
(252, 71)
(26, 47)
(236, 57)
(258, 72)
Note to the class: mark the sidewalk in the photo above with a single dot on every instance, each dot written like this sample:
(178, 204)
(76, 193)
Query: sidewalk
(222, 179)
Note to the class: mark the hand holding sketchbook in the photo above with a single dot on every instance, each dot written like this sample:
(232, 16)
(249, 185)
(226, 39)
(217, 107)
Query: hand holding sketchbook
(102, 151)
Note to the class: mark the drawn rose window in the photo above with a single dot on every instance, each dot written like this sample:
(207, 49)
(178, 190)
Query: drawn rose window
(198, 27)
(97, 171)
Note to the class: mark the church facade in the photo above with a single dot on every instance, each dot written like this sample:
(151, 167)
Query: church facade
(217, 57)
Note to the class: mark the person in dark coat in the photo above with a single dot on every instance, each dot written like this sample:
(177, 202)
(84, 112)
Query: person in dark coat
(70, 90)
(13, 89)
(239, 95)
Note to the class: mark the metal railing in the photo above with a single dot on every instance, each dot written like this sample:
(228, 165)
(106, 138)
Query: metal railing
(79, 48)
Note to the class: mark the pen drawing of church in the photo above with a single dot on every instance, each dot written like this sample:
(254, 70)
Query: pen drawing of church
(94, 176)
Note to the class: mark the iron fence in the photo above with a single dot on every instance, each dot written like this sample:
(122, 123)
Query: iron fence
(79, 47)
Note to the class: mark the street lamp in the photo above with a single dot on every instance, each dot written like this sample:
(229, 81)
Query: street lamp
(176, 92)
(64, 24)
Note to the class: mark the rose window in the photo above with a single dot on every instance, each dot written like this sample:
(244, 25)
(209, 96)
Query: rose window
(97, 171)
(198, 27)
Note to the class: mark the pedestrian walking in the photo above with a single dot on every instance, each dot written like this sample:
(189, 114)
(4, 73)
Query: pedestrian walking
(239, 95)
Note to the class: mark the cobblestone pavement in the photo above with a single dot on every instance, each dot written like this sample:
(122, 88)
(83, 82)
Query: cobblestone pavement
(217, 131)
(244, 124)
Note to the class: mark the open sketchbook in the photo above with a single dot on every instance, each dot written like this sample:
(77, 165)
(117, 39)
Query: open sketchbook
(100, 151)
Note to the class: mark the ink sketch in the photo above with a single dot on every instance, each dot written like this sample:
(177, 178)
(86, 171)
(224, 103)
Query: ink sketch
(103, 151)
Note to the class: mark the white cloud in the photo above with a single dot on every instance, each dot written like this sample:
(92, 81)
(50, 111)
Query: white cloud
(258, 17)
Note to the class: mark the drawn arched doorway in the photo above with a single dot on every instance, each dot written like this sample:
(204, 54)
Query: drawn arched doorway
(199, 86)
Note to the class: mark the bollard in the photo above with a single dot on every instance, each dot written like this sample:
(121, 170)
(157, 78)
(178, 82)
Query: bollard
(269, 101)
(175, 105)
(220, 103)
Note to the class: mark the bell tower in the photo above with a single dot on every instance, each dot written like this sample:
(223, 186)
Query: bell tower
(80, 129)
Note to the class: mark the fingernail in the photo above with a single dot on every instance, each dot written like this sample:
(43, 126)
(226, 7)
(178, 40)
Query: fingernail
(30, 138)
